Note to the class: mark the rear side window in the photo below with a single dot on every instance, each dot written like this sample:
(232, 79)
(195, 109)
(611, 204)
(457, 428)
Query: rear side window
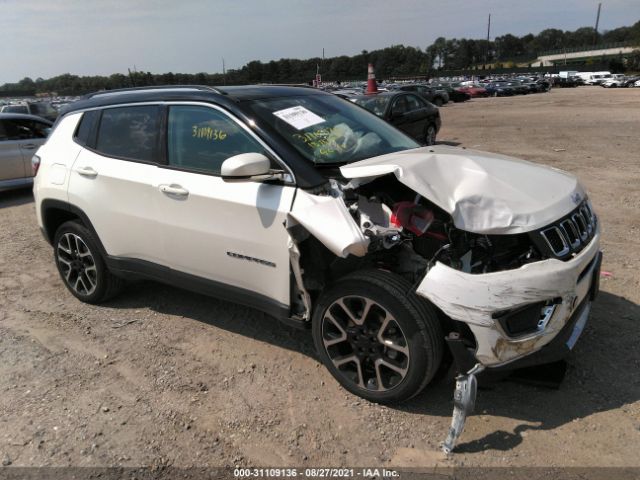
(201, 138)
(414, 103)
(129, 132)
(85, 133)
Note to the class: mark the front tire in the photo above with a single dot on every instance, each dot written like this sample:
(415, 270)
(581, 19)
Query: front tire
(81, 265)
(376, 337)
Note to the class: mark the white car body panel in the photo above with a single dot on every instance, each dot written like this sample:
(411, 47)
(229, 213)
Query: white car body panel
(60, 151)
(328, 219)
(484, 193)
(119, 201)
(232, 233)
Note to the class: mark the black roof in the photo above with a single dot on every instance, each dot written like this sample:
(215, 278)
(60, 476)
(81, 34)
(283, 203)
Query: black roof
(222, 95)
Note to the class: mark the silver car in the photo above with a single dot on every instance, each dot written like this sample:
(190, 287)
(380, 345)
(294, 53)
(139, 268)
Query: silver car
(20, 137)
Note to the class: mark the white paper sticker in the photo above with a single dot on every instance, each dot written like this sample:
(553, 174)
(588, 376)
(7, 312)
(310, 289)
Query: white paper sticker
(299, 117)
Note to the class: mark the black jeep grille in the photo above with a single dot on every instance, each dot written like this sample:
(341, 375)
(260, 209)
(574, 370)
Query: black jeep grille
(570, 234)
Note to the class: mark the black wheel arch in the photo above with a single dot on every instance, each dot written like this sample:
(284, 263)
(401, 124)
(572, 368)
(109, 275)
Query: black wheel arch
(56, 212)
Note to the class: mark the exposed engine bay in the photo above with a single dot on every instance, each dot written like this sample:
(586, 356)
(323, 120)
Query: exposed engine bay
(390, 214)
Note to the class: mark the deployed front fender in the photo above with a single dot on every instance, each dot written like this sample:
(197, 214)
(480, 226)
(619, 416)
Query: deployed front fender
(328, 219)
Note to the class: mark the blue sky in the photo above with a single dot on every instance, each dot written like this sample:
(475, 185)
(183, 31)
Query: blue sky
(98, 37)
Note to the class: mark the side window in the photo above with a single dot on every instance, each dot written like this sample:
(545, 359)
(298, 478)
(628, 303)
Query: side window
(24, 130)
(129, 132)
(85, 133)
(201, 138)
(399, 105)
(414, 103)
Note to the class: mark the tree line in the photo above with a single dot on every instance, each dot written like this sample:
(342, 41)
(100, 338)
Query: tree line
(394, 61)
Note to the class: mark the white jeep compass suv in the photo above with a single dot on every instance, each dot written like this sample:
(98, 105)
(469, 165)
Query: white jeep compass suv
(299, 203)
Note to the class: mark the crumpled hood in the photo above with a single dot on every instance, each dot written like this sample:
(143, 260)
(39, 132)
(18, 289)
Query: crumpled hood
(483, 192)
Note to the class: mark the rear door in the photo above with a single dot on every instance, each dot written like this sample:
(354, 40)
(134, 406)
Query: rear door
(232, 234)
(112, 179)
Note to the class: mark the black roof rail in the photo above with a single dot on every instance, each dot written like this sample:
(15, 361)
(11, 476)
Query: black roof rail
(154, 87)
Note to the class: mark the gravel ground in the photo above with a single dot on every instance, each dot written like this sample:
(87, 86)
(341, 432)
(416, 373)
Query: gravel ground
(163, 377)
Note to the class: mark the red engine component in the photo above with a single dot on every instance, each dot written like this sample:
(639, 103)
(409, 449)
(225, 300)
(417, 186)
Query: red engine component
(411, 216)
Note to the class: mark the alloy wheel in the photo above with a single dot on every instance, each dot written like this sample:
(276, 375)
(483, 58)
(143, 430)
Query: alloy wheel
(365, 343)
(77, 265)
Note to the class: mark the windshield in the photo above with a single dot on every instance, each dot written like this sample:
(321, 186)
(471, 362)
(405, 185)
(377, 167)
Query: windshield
(328, 130)
(15, 109)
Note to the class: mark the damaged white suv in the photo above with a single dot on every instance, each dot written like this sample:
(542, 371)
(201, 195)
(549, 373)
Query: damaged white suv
(399, 257)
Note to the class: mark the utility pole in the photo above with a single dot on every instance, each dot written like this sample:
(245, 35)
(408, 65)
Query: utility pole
(224, 73)
(595, 35)
(486, 48)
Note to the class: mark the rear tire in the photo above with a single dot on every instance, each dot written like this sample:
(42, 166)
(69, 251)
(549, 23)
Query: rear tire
(438, 102)
(376, 337)
(81, 265)
(430, 134)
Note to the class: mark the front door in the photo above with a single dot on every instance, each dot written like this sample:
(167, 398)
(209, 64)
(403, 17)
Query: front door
(230, 233)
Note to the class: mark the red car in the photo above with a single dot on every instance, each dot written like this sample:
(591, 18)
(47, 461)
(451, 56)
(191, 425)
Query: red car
(473, 90)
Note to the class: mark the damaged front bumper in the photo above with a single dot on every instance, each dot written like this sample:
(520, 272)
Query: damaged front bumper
(552, 290)
(527, 316)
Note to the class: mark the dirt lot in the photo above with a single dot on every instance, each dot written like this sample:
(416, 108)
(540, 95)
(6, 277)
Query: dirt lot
(165, 377)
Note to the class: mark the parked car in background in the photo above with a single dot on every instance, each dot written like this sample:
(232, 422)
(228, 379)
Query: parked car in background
(20, 136)
(518, 87)
(544, 85)
(406, 111)
(454, 95)
(437, 97)
(570, 82)
(531, 84)
(473, 90)
(499, 89)
(40, 109)
(629, 81)
(613, 83)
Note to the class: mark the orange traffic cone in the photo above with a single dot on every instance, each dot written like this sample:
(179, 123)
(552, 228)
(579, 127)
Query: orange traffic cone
(372, 85)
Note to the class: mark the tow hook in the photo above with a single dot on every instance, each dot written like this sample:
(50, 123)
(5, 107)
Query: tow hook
(464, 399)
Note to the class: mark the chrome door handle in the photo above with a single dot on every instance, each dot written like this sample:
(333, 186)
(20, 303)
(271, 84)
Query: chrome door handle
(29, 146)
(174, 190)
(87, 172)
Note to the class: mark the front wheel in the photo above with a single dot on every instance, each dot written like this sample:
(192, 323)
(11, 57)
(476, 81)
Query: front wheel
(376, 337)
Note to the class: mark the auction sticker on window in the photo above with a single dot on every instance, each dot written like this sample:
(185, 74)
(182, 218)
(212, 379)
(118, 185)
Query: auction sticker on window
(299, 117)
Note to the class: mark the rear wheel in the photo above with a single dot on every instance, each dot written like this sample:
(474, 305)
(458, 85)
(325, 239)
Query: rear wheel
(438, 102)
(430, 134)
(81, 265)
(376, 337)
